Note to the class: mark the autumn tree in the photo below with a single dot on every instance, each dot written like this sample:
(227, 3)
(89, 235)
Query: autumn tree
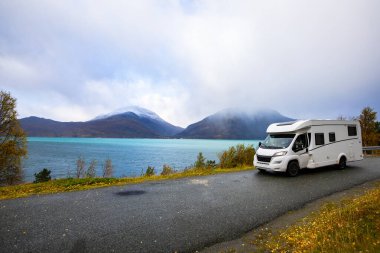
(367, 121)
(12, 141)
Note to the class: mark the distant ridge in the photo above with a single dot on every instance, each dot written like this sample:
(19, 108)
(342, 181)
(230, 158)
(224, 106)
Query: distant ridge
(136, 122)
(233, 124)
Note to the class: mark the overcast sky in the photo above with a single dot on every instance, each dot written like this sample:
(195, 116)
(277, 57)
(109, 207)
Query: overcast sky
(185, 59)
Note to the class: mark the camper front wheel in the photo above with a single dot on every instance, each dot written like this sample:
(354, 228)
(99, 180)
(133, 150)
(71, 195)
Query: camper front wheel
(293, 169)
(342, 163)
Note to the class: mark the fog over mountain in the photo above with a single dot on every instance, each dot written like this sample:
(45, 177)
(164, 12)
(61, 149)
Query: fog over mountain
(234, 124)
(139, 111)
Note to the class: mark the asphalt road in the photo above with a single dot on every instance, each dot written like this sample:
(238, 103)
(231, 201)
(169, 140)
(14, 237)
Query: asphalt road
(182, 215)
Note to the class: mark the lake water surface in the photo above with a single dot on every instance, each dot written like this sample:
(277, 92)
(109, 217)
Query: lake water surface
(129, 156)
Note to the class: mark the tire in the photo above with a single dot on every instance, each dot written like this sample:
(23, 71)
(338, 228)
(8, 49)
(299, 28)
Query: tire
(261, 170)
(293, 169)
(342, 163)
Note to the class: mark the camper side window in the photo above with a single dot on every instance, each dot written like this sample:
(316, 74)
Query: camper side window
(319, 139)
(351, 130)
(331, 137)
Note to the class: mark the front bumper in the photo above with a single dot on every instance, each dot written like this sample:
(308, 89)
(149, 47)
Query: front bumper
(276, 164)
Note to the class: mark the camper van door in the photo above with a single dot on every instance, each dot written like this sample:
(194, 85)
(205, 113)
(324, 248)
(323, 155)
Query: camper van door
(300, 147)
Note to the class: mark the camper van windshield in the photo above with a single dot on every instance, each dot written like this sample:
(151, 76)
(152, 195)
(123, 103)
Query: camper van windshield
(277, 141)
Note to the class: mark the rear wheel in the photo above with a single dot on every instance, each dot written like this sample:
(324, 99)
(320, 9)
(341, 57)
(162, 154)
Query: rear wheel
(342, 163)
(293, 169)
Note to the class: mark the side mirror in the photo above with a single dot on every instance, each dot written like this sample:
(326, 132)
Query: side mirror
(307, 150)
(259, 143)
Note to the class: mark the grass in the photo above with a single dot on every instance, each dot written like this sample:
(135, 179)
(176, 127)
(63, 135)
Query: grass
(77, 184)
(351, 225)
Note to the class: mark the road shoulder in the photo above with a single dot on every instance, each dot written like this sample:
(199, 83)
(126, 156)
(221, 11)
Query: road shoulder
(242, 244)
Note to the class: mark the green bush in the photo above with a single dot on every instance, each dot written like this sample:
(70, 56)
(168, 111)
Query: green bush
(149, 171)
(42, 176)
(238, 156)
(249, 153)
(167, 170)
(227, 158)
(200, 163)
(210, 164)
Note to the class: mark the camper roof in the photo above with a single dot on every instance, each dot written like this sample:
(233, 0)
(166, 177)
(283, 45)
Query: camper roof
(294, 126)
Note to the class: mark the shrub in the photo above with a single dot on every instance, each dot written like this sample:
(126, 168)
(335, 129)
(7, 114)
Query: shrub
(249, 153)
(108, 168)
(42, 176)
(80, 167)
(210, 164)
(91, 171)
(237, 156)
(240, 155)
(149, 171)
(200, 163)
(167, 170)
(228, 158)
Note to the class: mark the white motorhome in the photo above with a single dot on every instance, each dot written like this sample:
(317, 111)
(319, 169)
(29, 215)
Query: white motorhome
(291, 146)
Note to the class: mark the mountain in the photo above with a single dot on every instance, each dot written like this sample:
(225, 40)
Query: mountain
(137, 122)
(139, 111)
(130, 122)
(233, 124)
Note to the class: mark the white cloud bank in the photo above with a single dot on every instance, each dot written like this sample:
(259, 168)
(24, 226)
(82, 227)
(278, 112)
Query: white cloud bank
(74, 60)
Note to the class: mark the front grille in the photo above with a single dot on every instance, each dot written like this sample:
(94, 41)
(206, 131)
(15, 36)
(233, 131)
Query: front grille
(265, 159)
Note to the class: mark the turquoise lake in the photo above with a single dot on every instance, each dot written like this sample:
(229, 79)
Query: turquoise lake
(129, 156)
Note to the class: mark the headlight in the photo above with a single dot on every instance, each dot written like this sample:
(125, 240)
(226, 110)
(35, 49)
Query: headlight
(281, 153)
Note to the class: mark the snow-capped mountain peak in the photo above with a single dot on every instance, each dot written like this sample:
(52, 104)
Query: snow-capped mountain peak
(139, 111)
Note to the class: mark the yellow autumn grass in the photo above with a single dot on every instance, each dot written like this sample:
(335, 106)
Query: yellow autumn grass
(352, 225)
(75, 184)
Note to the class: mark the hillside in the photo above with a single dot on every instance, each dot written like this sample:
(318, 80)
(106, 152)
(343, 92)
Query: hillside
(132, 123)
(233, 124)
(136, 122)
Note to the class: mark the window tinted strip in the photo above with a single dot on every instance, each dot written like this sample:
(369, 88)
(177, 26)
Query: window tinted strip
(333, 143)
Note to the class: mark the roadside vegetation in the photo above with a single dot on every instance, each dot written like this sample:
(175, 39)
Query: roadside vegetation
(370, 130)
(351, 225)
(12, 141)
(84, 177)
(238, 156)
